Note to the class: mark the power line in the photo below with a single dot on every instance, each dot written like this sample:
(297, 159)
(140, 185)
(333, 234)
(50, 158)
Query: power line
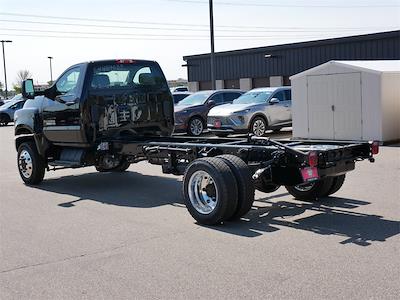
(286, 5)
(313, 29)
(146, 34)
(238, 38)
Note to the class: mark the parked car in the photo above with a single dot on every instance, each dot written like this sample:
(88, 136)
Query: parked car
(8, 109)
(191, 112)
(179, 89)
(179, 96)
(255, 111)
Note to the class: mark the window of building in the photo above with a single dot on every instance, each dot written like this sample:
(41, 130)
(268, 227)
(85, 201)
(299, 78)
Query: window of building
(232, 84)
(286, 81)
(261, 82)
(205, 85)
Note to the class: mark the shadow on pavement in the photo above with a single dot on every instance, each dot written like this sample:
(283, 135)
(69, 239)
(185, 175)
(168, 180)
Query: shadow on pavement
(129, 189)
(330, 216)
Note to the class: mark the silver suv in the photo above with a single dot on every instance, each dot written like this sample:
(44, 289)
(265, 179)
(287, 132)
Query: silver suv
(254, 112)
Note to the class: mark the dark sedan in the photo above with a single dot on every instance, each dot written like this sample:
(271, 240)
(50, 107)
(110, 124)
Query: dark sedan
(179, 96)
(191, 112)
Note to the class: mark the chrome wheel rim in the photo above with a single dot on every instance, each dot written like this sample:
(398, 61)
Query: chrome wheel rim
(196, 126)
(259, 127)
(203, 192)
(25, 164)
(305, 187)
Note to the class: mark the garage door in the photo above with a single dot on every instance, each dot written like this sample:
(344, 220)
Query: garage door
(334, 106)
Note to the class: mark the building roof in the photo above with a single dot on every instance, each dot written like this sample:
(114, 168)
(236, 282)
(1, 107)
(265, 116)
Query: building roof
(268, 49)
(371, 66)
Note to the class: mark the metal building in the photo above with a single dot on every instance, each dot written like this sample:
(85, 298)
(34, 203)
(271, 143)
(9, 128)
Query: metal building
(273, 65)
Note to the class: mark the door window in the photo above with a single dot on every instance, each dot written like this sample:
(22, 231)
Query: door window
(229, 97)
(18, 105)
(288, 95)
(280, 96)
(68, 82)
(217, 98)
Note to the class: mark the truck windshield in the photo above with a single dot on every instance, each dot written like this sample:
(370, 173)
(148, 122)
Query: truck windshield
(127, 75)
(253, 97)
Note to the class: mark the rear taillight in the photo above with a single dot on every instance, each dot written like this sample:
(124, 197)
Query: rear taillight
(313, 159)
(125, 61)
(375, 148)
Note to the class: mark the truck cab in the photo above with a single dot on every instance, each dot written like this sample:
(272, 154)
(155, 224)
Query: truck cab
(99, 100)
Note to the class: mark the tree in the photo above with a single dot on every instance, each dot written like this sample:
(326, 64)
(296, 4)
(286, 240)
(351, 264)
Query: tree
(21, 76)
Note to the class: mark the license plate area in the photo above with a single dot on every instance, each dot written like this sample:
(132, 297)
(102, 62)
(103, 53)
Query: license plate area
(217, 123)
(309, 174)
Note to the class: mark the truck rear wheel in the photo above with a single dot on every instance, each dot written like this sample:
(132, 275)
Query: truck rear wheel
(338, 182)
(31, 165)
(244, 184)
(311, 191)
(210, 191)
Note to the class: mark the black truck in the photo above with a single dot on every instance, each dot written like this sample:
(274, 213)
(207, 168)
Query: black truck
(113, 113)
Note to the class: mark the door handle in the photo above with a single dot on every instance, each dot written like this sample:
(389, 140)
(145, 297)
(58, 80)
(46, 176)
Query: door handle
(333, 107)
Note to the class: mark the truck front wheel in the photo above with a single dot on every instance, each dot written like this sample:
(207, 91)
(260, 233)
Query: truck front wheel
(31, 165)
(311, 191)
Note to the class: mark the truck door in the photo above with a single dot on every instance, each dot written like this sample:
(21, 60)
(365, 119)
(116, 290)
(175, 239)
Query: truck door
(61, 116)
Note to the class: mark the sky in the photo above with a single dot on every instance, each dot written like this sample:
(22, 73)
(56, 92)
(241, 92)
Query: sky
(74, 31)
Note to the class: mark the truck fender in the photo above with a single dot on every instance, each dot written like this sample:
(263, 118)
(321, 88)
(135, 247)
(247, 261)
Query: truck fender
(27, 121)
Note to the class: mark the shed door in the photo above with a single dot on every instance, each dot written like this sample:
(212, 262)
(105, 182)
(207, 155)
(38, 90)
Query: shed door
(334, 106)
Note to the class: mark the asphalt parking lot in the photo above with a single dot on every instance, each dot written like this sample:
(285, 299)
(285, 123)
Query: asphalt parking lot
(82, 234)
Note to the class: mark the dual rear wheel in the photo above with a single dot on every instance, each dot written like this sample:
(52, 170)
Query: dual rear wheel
(218, 189)
(319, 189)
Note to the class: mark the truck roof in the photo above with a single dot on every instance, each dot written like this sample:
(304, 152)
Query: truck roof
(120, 61)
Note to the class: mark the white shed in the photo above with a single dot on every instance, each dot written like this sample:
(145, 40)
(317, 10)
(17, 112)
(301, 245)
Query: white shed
(348, 100)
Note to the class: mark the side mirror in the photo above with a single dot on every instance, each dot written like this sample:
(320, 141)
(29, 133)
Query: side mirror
(28, 91)
(211, 103)
(274, 101)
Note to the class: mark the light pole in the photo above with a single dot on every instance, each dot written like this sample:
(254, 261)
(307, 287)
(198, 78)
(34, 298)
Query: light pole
(4, 63)
(51, 70)
(212, 56)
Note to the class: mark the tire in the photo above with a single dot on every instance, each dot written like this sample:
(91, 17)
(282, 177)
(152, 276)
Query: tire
(216, 176)
(244, 184)
(4, 120)
(195, 126)
(312, 191)
(338, 182)
(258, 126)
(122, 167)
(31, 165)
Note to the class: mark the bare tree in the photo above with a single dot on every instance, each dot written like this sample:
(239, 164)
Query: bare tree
(21, 76)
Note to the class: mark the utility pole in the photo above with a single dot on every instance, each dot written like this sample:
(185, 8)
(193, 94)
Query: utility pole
(212, 56)
(51, 70)
(4, 63)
